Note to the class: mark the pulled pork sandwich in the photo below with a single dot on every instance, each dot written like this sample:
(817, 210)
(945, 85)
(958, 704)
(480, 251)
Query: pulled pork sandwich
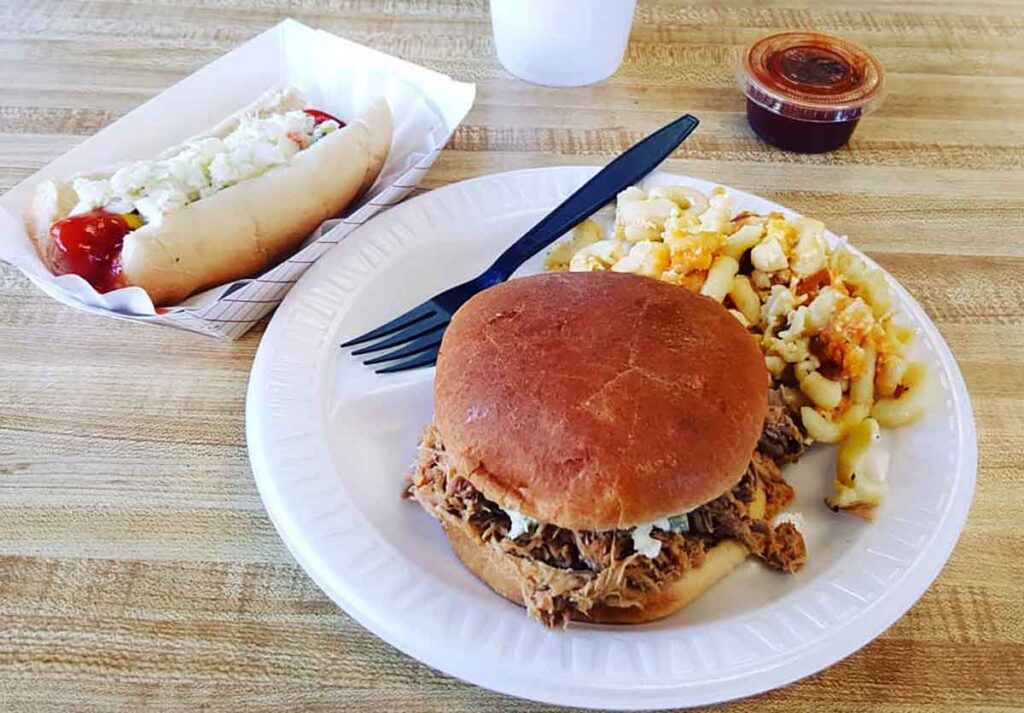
(603, 447)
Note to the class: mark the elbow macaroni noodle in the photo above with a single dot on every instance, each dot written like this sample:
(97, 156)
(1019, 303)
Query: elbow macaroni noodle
(822, 317)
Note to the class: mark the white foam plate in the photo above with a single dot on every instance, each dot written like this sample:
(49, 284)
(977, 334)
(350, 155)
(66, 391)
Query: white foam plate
(330, 443)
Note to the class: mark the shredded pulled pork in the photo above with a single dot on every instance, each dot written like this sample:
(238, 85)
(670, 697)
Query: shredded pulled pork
(780, 438)
(569, 571)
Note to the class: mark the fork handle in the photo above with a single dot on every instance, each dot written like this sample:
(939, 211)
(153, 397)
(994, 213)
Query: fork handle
(626, 170)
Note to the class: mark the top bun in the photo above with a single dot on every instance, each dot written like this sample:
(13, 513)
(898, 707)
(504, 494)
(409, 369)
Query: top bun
(598, 400)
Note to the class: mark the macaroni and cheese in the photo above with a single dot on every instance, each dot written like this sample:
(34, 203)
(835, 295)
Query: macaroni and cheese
(823, 318)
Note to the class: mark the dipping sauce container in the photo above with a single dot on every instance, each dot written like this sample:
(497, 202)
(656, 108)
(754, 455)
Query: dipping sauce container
(807, 91)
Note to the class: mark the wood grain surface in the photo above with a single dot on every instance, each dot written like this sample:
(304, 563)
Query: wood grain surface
(138, 570)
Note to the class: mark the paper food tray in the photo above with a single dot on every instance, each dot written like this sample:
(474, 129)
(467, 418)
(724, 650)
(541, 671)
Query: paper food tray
(334, 74)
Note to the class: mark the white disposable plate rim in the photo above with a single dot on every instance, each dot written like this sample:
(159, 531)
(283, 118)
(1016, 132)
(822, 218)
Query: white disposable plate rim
(292, 371)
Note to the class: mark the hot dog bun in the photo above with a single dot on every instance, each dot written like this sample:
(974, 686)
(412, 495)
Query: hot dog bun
(240, 230)
(377, 115)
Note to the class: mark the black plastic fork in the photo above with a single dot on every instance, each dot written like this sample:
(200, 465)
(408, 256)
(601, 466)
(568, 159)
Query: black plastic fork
(415, 336)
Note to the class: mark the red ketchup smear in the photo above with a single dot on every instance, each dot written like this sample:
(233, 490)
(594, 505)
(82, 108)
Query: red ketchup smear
(89, 245)
(320, 117)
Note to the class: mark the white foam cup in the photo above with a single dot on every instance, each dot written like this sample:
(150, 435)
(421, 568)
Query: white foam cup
(561, 43)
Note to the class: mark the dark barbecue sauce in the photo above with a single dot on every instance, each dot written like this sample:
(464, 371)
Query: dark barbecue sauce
(806, 91)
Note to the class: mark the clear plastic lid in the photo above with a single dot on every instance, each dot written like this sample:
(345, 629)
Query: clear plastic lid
(811, 77)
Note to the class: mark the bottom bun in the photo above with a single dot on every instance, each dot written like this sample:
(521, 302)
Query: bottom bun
(498, 572)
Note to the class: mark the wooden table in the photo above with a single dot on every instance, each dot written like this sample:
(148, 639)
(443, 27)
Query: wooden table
(138, 570)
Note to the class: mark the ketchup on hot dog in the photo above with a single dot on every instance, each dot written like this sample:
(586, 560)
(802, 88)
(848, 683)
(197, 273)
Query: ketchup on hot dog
(89, 245)
(320, 117)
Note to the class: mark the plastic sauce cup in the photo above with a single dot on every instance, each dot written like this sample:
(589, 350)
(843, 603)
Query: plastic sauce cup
(807, 91)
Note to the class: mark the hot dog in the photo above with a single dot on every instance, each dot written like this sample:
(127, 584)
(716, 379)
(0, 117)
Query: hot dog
(221, 206)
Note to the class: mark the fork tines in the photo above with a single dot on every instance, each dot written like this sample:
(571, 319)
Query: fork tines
(400, 322)
(414, 336)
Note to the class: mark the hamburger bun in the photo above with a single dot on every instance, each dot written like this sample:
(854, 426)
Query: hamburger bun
(598, 401)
